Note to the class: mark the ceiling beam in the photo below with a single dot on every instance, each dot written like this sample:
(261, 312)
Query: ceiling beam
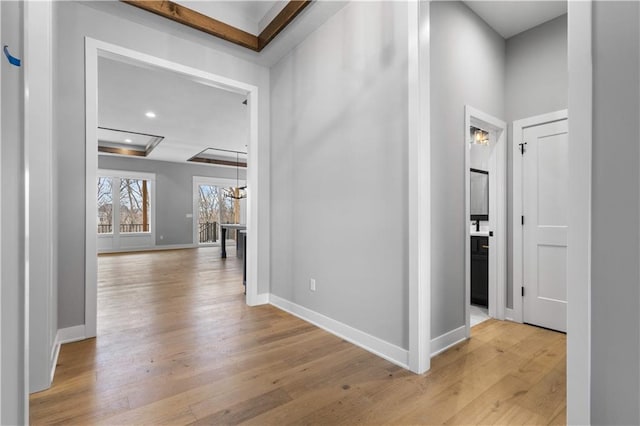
(197, 159)
(193, 19)
(121, 151)
(198, 21)
(282, 19)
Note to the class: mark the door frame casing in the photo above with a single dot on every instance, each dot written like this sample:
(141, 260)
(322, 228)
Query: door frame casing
(498, 219)
(517, 279)
(419, 185)
(1, 257)
(93, 50)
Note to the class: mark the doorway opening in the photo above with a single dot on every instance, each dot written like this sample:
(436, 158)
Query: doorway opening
(170, 189)
(485, 217)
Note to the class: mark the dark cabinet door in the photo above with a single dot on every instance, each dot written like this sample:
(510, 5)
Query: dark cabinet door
(480, 271)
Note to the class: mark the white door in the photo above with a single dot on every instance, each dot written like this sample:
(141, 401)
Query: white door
(545, 209)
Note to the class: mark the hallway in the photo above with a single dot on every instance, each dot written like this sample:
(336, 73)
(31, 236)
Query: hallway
(177, 345)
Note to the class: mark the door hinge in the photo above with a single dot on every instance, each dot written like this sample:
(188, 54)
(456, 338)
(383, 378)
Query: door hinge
(522, 291)
(522, 149)
(522, 220)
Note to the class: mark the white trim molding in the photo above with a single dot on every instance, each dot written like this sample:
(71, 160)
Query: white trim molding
(419, 179)
(579, 235)
(263, 299)
(127, 174)
(257, 188)
(55, 352)
(448, 340)
(64, 335)
(41, 311)
(71, 334)
(517, 279)
(1, 257)
(376, 346)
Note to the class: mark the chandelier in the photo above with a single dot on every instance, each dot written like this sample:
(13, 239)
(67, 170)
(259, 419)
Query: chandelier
(238, 192)
(479, 136)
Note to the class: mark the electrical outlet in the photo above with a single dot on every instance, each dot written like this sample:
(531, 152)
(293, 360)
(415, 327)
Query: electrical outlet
(312, 284)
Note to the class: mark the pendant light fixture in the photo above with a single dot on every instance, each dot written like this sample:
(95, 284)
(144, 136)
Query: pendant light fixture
(479, 136)
(239, 192)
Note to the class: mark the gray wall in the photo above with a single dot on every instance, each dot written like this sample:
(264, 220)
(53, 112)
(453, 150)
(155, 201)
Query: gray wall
(536, 83)
(615, 295)
(12, 226)
(159, 37)
(174, 192)
(339, 152)
(459, 40)
(536, 70)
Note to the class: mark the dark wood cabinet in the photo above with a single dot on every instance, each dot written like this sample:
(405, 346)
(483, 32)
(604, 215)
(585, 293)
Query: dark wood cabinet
(480, 271)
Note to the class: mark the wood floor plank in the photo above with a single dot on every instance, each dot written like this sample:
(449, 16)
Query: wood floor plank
(246, 410)
(177, 344)
(547, 396)
(491, 404)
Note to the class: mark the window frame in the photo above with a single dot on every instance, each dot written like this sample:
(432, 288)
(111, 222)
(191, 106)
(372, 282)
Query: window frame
(117, 176)
(212, 181)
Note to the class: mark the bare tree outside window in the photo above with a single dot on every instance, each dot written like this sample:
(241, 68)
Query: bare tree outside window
(209, 203)
(105, 205)
(134, 205)
(214, 208)
(227, 209)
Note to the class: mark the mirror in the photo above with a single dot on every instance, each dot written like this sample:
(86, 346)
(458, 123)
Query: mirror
(479, 189)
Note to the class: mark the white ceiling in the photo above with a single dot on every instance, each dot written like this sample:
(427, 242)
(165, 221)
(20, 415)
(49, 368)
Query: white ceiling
(509, 18)
(191, 116)
(250, 16)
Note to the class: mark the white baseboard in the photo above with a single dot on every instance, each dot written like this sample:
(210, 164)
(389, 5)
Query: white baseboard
(511, 315)
(379, 347)
(447, 340)
(70, 334)
(151, 248)
(64, 335)
(261, 299)
(55, 351)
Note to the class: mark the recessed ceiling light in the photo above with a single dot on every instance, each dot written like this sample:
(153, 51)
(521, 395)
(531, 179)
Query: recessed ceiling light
(128, 140)
(151, 114)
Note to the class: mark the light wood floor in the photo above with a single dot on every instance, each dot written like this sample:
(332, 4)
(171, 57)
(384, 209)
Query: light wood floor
(177, 345)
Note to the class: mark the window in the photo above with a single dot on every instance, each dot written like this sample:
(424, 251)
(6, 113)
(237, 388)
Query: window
(134, 205)
(133, 213)
(105, 205)
(214, 208)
